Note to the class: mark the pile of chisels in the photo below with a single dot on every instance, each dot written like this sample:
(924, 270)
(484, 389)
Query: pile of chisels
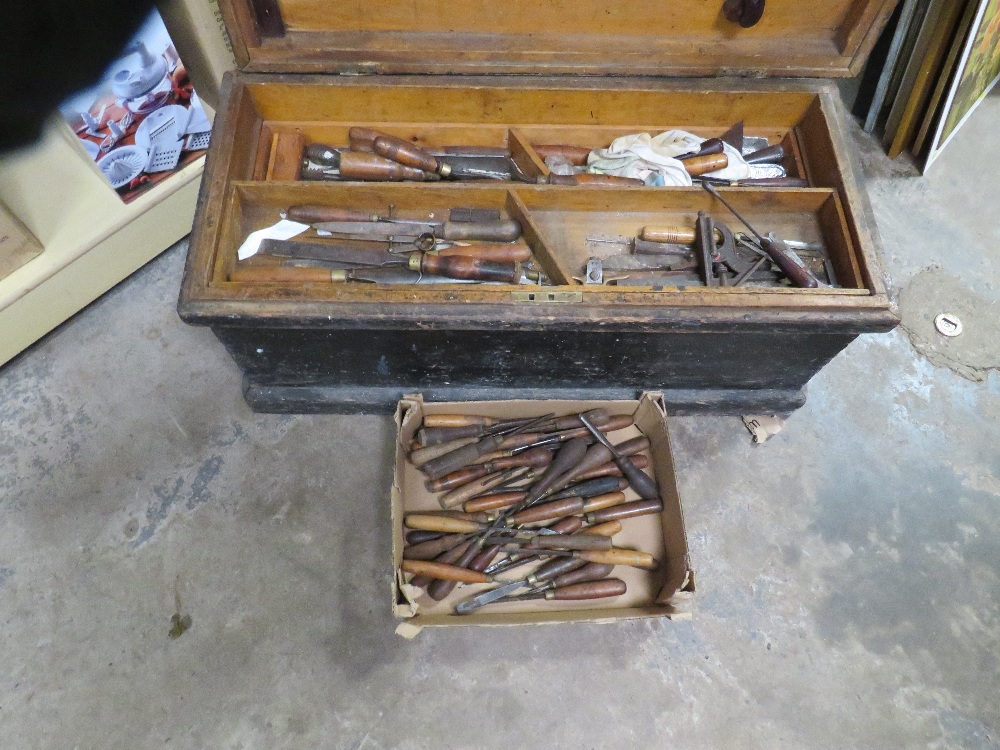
(545, 492)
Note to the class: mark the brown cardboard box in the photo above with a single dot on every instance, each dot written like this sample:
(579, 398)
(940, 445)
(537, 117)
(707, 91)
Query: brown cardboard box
(658, 593)
(17, 244)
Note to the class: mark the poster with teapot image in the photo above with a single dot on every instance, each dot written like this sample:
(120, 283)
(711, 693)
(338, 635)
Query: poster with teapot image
(142, 122)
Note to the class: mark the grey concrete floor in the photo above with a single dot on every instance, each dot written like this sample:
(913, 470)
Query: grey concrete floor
(847, 569)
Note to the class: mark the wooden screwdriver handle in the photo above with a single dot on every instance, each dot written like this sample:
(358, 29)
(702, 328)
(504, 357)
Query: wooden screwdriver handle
(672, 235)
(699, 165)
(572, 452)
(356, 165)
(459, 495)
(600, 502)
(422, 456)
(608, 529)
(495, 501)
(440, 588)
(448, 558)
(444, 572)
(444, 524)
(591, 590)
(457, 420)
(433, 548)
(462, 267)
(363, 139)
(575, 155)
(569, 506)
(406, 153)
(504, 230)
(627, 510)
(456, 478)
(631, 558)
(588, 572)
(499, 252)
(314, 214)
(611, 470)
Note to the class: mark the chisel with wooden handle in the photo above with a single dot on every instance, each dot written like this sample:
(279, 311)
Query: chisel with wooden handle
(444, 572)
(642, 483)
(598, 455)
(624, 510)
(456, 459)
(554, 574)
(607, 588)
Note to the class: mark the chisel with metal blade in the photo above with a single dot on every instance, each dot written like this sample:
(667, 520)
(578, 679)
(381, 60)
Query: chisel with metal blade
(505, 230)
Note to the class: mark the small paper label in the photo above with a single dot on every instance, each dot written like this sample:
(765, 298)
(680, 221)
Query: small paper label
(283, 230)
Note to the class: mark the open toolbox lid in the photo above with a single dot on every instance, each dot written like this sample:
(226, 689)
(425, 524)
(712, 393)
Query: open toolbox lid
(792, 38)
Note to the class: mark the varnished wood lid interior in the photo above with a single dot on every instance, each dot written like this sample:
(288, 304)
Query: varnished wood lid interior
(814, 38)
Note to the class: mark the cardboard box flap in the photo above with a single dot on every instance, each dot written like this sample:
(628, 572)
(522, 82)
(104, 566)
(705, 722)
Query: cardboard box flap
(821, 38)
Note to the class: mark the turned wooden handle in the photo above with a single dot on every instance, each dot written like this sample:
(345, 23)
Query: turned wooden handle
(627, 510)
(793, 268)
(568, 525)
(569, 506)
(554, 568)
(611, 470)
(316, 214)
(698, 165)
(422, 456)
(459, 495)
(448, 558)
(631, 558)
(439, 435)
(597, 417)
(456, 479)
(415, 536)
(440, 588)
(571, 453)
(591, 590)
(504, 230)
(599, 502)
(431, 549)
(444, 524)
(618, 422)
(444, 572)
(673, 235)
(594, 179)
(571, 541)
(535, 457)
(575, 155)
(588, 572)
(500, 253)
(493, 502)
(404, 152)
(456, 459)
(273, 274)
(363, 139)
(355, 165)
(469, 269)
(457, 420)
(608, 528)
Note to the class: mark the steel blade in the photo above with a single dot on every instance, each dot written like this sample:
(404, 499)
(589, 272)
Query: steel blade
(480, 600)
(360, 256)
(379, 230)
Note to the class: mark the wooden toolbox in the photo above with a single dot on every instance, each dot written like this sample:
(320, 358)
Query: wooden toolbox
(311, 70)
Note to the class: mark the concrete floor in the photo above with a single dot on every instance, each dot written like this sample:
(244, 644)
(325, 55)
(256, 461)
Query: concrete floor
(847, 569)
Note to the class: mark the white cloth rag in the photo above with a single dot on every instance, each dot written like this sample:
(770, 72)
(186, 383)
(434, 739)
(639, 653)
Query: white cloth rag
(653, 160)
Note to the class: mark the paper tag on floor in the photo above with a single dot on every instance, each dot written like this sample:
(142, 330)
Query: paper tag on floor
(763, 427)
(283, 230)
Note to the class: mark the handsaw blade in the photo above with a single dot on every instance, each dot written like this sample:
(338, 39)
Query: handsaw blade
(487, 597)
(360, 256)
(379, 230)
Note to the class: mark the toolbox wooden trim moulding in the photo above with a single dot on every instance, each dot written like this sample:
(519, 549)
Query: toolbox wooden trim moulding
(359, 347)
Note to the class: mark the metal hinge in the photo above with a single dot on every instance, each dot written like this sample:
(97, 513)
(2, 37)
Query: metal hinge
(543, 296)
